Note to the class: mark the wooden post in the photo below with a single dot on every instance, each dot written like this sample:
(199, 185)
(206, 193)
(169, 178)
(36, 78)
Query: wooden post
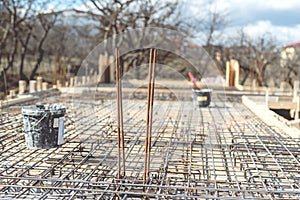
(112, 68)
(236, 68)
(32, 86)
(267, 98)
(55, 68)
(295, 91)
(44, 86)
(12, 94)
(39, 81)
(71, 82)
(228, 73)
(232, 73)
(22, 86)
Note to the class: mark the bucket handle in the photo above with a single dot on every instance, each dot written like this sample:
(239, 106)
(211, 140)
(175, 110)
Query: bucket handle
(36, 123)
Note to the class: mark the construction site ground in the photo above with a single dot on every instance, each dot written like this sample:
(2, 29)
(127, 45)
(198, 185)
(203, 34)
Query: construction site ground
(223, 151)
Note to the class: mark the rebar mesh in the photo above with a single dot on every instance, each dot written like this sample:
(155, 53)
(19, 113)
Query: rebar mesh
(220, 152)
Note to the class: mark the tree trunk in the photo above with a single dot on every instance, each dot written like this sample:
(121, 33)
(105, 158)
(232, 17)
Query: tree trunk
(25, 47)
(41, 54)
(37, 65)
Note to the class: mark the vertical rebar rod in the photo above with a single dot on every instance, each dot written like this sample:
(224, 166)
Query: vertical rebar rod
(121, 114)
(121, 153)
(151, 106)
(147, 118)
(118, 120)
(122, 129)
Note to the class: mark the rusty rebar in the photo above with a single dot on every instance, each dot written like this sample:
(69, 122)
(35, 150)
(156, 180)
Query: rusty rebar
(151, 106)
(151, 79)
(121, 117)
(121, 146)
(242, 159)
(147, 118)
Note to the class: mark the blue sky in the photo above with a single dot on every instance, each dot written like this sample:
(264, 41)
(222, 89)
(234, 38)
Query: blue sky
(280, 18)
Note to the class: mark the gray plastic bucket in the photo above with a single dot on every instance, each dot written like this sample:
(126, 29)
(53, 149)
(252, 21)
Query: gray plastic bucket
(43, 126)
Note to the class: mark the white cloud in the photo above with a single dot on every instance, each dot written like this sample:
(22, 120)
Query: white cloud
(258, 4)
(259, 28)
(284, 35)
(257, 17)
(278, 4)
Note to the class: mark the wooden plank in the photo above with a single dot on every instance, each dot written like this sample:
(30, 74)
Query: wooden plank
(282, 105)
(284, 99)
(20, 99)
(270, 118)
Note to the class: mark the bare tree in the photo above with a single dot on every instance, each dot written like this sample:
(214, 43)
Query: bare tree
(13, 25)
(290, 63)
(255, 56)
(209, 25)
(115, 16)
(46, 22)
(14, 15)
(24, 27)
